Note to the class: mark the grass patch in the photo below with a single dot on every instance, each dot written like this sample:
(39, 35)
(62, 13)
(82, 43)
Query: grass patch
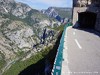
(61, 28)
(2, 61)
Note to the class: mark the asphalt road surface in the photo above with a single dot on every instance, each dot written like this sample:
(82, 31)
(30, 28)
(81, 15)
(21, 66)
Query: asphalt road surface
(81, 53)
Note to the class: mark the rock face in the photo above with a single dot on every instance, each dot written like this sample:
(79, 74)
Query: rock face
(22, 31)
(84, 6)
(58, 13)
(21, 10)
(17, 9)
(51, 12)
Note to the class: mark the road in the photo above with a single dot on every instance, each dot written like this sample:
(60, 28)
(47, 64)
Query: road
(81, 53)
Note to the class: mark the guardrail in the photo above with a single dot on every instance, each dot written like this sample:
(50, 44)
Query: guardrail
(59, 57)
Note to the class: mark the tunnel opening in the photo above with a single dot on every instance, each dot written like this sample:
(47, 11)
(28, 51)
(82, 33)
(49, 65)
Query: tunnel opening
(87, 20)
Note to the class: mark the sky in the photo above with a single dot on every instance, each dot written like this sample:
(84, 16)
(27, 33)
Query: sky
(44, 4)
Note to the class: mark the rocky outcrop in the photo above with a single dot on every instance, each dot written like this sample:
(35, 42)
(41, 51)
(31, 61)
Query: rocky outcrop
(58, 13)
(50, 12)
(17, 9)
(21, 10)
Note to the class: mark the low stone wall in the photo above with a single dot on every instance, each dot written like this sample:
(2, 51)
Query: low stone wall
(97, 26)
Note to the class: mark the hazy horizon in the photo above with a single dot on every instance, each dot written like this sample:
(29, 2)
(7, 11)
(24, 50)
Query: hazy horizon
(44, 4)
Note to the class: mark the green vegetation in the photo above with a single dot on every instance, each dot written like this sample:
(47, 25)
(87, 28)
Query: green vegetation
(34, 16)
(10, 16)
(4, 25)
(20, 53)
(16, 68)
(61, 28)
(2, 61)
(64, 12)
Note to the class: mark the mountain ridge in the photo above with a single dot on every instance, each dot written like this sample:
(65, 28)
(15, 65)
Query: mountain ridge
(59, 13)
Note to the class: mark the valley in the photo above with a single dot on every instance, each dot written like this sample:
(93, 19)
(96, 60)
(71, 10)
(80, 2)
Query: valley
(27, 35)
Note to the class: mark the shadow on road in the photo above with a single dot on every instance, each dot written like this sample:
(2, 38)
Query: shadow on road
(90, 30)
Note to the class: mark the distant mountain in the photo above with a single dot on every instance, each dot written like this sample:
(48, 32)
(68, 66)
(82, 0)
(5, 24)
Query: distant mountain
(58, 12)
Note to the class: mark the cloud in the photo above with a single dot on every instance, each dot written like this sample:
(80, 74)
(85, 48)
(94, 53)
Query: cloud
(47, 3)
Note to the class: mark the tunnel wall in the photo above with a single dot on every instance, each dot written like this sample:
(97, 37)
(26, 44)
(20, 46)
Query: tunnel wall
(97, 26)
(96, 10)
(87, 19)
(75, 13)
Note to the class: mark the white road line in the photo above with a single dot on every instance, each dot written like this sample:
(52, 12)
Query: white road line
(66, 48)
(65, 45)
(75, 29)
(78, 43)
(73, 33)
